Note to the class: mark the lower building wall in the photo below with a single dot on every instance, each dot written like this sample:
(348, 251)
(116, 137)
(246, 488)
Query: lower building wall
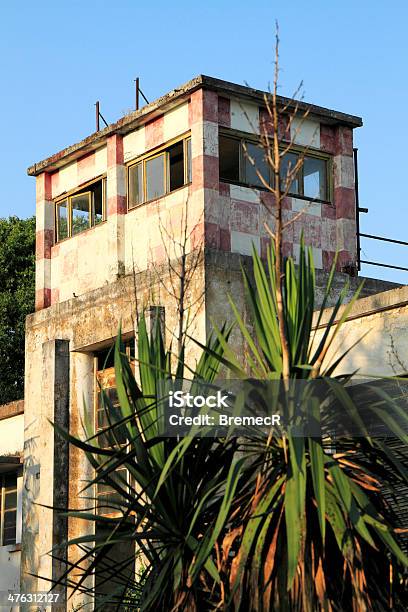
(224, 282)
(9, 568)
(83, 325)
(378, 325)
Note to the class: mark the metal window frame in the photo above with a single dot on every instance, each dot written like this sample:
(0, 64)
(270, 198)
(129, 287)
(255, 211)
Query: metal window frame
(296, 150)
(80, 195)
(67, 196)
(2, 506)
(165, 156)
(244, 165)
(143, 159)
(97, 373)
(56, 219)
(328, 170)
(136, 204)
(187, 161)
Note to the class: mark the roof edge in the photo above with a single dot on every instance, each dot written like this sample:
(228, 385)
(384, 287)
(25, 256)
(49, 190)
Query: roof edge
(135, 119)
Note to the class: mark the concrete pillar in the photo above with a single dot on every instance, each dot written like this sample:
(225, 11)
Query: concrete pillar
(61, 460)
(116, 205)
(44, 239)
(82, 411)
(212, 232)
(45, 466)
(344, 199)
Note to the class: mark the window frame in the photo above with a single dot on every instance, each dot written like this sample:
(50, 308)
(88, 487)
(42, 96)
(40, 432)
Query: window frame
(297, 150)
(105, 378)
(2, 506)
(68, 195)
(146, 157)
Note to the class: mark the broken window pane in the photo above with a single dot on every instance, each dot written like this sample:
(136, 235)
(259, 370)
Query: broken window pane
(314, 178)
(258, 155)
(136, 185)
(229, 158)
(176, 166)
(80, 205)
(155, 177)
(287, 166)
(62, 220)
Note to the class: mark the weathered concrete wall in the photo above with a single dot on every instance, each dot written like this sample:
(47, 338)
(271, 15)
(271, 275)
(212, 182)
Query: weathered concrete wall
(128, 240)
(224, 280)
(12, 435)
(9, 568)
(11, 445)
(86, 323)
(380, 324)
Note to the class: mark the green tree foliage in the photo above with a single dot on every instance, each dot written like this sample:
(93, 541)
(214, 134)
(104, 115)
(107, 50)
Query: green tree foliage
(17, 289)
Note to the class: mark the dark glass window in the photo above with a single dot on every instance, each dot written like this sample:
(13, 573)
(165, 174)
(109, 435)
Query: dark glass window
(8, 507)
(176, 166)
(155, 173)
(229, 153)
(311, 180)
(288, 164)
(97, 203)
(258, 155)
(108, 500)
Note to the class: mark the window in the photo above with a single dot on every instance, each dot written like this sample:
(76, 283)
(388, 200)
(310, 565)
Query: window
(108, 500)
(288, 164)
(155, 177)
(314, 178)
(311, 182)
(257, 154)
(229, 151)
(80, 211)
(158, 174)
(8, 508)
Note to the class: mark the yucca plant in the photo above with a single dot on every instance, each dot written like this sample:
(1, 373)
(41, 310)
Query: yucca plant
(175, 489)
(266, 521)
(314, 532)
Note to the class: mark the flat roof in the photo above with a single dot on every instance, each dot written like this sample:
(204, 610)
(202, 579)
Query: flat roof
(135, 119)
(11, 409)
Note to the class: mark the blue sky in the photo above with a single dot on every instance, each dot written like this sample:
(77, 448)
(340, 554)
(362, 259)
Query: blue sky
(58, 58)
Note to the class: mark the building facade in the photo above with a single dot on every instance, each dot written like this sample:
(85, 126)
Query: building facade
(113, 212)
(11, 493)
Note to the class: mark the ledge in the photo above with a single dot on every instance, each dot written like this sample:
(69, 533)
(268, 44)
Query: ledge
(136, 119)
(11, 409)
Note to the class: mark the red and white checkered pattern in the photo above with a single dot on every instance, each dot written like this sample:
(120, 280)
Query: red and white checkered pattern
(225, 217)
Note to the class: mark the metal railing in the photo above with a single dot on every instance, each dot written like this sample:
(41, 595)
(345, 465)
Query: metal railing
(371, 236)
(376, 263)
